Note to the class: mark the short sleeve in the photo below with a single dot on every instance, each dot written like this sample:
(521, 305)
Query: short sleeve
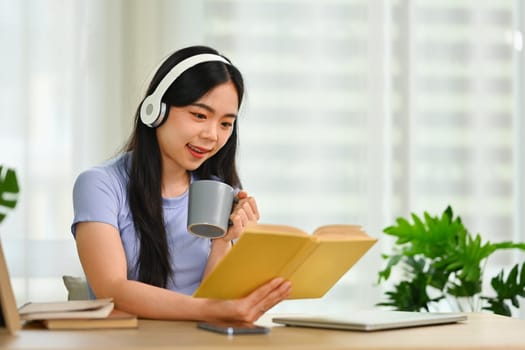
(95, 198)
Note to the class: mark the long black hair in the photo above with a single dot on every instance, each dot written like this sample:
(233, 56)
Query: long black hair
(145, 196)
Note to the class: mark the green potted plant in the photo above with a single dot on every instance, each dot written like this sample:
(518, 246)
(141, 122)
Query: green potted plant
(8, 191)
(440, 260)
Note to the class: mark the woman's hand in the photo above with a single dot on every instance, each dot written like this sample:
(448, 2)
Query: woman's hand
(244, 213)
(253, 306)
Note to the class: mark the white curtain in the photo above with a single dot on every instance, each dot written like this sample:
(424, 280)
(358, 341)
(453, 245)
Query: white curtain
(356, 112)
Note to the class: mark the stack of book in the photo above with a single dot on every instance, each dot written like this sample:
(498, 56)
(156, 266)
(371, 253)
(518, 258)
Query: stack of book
(77, 314)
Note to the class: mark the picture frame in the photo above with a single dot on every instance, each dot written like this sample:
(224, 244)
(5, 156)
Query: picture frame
(9, 317)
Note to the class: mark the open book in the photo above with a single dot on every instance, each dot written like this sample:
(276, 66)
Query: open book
(313, 263)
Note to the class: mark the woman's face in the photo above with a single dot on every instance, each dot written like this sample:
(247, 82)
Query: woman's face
(194, 133)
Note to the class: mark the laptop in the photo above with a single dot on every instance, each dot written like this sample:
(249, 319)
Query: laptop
(371, 320)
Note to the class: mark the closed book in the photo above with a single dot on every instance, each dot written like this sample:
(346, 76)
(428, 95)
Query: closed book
(98, 308)
(312, 262)
(116, 319)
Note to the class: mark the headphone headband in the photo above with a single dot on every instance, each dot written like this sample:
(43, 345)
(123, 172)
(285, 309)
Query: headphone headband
(152, 110)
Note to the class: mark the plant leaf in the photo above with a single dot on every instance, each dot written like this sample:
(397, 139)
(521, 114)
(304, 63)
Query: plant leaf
(498, 307)
(392, 261)
(410, 295)
(430, 236)
(8, 190)
(464, 288)
(506, 289)
(512, 286)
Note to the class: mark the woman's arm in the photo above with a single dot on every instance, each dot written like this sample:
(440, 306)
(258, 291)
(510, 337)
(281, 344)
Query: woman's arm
(103, 259)
(244, 214)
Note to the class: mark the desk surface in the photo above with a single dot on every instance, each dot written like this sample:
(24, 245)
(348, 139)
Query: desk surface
(480, 331)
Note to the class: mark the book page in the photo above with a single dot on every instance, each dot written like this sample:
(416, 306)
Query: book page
(278, 229)
(341, 232)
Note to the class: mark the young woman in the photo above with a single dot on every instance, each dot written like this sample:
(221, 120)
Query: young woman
(131, 212)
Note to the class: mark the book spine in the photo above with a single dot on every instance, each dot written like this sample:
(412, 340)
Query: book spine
(299, 258)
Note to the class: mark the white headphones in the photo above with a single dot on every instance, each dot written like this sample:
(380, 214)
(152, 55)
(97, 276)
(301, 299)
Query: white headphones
(152, 110)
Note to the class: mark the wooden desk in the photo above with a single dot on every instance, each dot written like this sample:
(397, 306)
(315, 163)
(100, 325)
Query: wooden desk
(481, 331)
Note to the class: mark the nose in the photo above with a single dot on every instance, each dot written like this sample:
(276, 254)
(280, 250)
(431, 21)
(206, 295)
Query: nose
(209, 131)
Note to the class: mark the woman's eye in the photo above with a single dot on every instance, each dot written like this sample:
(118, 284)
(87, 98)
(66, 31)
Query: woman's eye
(199, 115)
(227, 124)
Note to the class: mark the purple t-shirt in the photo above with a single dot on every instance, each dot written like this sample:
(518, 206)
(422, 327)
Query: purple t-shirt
(100, 194)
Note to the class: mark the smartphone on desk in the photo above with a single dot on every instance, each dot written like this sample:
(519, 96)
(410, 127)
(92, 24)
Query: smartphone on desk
(232, 328)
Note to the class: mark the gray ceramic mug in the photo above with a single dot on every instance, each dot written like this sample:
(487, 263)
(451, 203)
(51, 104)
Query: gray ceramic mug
(209, 209)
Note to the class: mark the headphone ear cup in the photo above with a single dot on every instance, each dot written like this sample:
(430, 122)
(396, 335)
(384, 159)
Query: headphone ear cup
(163, 116)
(152, 113)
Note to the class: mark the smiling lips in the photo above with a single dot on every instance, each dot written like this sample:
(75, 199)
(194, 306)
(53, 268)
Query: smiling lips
(197, 152)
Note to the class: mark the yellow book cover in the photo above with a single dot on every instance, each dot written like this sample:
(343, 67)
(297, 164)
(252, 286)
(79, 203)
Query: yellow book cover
(312, 262)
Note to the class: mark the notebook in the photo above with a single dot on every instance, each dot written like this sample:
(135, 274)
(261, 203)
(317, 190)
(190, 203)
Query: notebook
(9, 318)
(371, 320)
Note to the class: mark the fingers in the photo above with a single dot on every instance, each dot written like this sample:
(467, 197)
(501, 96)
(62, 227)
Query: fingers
(253, 306)
(242, 195)
(244, 213)
(248, 205)
(281, 292)
(269, 295)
